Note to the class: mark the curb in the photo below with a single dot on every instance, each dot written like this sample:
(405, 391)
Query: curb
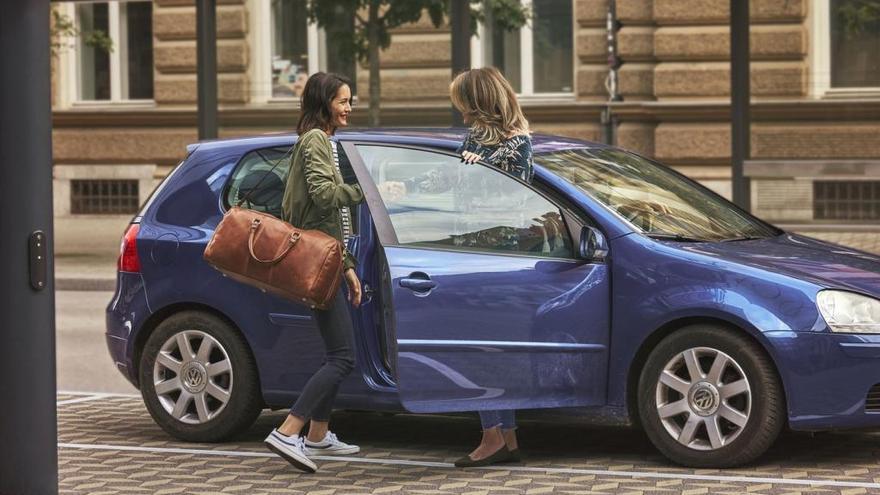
(85, 284)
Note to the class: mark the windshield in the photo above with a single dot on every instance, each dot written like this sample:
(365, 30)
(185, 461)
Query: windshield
(653, 198)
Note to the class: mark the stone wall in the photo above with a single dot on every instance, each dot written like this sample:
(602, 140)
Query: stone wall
(174, 52)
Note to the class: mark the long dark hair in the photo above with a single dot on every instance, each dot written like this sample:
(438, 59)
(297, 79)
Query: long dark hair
(315, 101)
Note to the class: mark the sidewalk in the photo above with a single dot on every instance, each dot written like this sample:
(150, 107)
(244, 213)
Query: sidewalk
(98, 271)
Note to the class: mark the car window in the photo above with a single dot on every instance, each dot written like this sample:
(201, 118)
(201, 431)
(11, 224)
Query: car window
(436, 200)
(652, 197)
(250, 173)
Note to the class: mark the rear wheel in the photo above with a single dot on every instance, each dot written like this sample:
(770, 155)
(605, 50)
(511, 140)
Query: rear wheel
(709, 397)
(198, 378)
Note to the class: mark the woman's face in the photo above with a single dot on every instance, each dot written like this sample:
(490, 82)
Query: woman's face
(340, 107)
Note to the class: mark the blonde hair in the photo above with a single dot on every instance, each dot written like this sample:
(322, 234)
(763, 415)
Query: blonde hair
(485, 96)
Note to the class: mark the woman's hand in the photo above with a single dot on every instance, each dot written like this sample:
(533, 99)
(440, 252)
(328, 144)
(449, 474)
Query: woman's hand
(354, 287)
(391, 191)
(468, 157)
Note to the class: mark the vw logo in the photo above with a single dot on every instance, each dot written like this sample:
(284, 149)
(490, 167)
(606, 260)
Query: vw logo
(194, 377)
(703, 399)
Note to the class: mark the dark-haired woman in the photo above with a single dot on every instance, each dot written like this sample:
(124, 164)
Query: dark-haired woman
(317, 197)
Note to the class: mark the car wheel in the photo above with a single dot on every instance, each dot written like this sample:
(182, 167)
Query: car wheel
(709, 397)
(198, 378)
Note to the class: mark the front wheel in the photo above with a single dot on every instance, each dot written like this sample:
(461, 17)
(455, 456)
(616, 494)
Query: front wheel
(198, 378)
(709, 397)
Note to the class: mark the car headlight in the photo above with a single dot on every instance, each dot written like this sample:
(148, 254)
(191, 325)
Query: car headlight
(849, 312)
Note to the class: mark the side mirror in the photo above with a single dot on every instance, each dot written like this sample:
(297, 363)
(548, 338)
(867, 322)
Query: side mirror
(593, 246)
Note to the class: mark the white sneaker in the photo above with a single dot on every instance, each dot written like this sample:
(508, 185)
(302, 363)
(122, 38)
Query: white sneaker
(292, 449)
(330, 445)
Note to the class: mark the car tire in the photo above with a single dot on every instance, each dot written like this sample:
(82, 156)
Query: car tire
(221, 381)
(729, 416)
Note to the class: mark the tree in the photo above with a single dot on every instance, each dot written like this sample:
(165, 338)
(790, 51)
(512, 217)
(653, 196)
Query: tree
(63, 31)
(373, 19)
(858, 17)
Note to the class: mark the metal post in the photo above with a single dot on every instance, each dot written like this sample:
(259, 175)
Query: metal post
(28, 432)
(206, 43)
(608, 119)
(740, 93)
(459, 19)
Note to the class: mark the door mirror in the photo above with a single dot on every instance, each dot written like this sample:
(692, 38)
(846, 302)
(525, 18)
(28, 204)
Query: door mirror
(593, 246)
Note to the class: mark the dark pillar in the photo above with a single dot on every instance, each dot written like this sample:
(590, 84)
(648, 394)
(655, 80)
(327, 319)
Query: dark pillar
(28, 434)
(608, 120)
(206, 42)
(460, 21)
(740, 93)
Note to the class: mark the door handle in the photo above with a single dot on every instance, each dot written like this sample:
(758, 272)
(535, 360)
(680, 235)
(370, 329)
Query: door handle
(367, 293)
(418, 282)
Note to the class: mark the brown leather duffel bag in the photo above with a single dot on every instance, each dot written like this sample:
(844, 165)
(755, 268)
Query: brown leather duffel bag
(261, 250)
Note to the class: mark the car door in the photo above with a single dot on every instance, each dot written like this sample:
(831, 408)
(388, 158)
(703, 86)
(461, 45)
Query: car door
(491, 309)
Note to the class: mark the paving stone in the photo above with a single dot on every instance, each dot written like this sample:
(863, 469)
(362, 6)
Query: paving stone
(586, 453)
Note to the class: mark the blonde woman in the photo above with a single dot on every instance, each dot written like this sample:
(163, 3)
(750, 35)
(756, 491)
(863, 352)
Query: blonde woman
(499, 136)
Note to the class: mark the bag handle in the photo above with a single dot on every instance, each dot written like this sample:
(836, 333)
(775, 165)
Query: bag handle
(291, 241)
(277, 162)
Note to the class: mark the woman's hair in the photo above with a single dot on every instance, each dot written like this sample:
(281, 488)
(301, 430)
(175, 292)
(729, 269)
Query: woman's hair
(319, 91)
(485, 96)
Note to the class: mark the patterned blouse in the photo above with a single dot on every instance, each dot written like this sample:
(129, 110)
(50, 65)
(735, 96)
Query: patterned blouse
(513, 155)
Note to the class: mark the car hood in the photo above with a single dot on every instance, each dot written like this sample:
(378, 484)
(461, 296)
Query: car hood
(822, 263)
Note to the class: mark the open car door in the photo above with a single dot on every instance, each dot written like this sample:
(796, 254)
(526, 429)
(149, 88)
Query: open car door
(491, 307)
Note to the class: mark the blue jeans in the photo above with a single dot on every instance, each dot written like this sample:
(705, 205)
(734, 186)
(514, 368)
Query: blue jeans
(505, 419)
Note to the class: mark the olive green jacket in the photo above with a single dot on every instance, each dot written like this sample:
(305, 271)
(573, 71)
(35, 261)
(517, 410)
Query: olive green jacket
(315, 191)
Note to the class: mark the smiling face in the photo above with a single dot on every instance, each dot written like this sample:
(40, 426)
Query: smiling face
(340, 107)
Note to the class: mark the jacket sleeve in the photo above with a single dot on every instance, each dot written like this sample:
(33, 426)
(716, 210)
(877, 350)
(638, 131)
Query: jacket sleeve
(348, 261)
(318, 172)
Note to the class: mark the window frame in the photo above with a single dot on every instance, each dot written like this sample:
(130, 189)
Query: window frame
(70, 61)
(820, 57)
(526, 47)
(225, 191)
(260, 68)
(573, 221)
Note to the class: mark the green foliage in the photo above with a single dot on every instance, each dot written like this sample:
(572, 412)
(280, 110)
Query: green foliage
(507, 14)
(858, 17)
(63, 32)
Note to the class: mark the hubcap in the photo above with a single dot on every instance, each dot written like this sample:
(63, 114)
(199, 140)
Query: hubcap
(192, 377)
(703, 398)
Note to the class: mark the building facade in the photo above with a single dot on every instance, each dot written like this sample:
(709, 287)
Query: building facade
(122, 118)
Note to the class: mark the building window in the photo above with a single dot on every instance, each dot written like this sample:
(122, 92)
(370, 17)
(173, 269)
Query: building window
(538, 59)
(846, 200)
(125, 72)
(855, 43)
(293, 48)
(104, 196)
(845, 43)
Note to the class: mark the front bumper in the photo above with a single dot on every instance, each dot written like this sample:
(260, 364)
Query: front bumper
(827, 378)
(126, 311)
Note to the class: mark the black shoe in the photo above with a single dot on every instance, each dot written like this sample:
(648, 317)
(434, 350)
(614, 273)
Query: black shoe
(500, 455)
(515, 456)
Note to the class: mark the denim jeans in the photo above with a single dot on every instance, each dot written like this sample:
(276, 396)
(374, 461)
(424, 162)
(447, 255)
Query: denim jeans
(505, 419)
(334, 323)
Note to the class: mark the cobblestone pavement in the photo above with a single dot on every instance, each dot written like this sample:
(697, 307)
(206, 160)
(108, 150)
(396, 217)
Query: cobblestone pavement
(109, 444)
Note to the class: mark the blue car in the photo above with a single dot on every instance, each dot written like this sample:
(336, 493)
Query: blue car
(610, 290)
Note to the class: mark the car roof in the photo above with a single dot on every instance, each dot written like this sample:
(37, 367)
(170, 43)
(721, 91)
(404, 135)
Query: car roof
(443, 138)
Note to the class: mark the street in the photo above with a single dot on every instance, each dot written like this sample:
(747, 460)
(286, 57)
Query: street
(109, 444)
(83, 361)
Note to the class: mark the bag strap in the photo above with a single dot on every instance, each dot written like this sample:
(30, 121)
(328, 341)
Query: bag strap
(291, 241)
(277, 162)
